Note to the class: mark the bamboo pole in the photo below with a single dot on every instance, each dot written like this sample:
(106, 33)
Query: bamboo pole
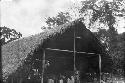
(43, 66)
(74, 51)
(12, 79)
(100, 68)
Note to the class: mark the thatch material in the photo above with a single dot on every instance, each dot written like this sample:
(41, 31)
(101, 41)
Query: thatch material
(15, 52)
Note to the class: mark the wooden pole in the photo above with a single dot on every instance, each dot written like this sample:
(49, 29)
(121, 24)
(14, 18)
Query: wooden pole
(12, 79)
(100, 61)
(74, 50)
(43, 66)
(74, 55)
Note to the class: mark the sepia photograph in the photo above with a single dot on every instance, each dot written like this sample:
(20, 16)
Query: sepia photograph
(62, 41)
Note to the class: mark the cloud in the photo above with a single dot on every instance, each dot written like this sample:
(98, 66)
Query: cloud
(27, 16)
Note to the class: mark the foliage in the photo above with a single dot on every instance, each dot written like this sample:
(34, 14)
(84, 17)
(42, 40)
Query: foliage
(61, 18)
(106, 12)
(8, 35)
(115, 45)
(103, 10)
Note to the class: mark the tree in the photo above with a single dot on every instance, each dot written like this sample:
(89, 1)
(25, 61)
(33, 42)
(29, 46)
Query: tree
(8, 35)
(103, 10)
(115, 47)
(106, 13)
(61, 18)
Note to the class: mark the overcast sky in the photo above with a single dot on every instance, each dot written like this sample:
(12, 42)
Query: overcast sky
(28, 16)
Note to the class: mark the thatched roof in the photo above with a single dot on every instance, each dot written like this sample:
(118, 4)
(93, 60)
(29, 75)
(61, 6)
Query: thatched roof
(15, 52)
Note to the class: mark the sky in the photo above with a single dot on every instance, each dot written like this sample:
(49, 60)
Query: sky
(28, 16)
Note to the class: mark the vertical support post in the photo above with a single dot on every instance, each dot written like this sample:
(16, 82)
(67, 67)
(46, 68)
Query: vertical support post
(12, 79)
(74, 55)
(74, 50)
(43, 66)
(100, 61)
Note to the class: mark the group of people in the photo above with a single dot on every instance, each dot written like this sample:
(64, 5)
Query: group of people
(61, 79)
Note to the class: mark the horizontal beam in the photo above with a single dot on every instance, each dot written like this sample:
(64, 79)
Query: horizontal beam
(71, 51)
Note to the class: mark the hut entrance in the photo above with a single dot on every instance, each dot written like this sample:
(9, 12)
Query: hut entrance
(64, 67)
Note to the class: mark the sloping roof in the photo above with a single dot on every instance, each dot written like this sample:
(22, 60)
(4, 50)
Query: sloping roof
(15, 52)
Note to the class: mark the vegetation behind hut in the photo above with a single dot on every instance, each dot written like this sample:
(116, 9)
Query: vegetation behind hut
(8, 35)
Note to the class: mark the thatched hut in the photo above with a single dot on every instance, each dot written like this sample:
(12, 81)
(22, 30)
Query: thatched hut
(18, 57)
